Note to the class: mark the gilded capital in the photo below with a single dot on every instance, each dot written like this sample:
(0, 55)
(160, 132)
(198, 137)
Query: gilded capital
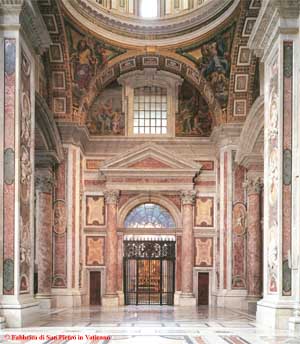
(253, 185)
(112, 196)
(188, 197)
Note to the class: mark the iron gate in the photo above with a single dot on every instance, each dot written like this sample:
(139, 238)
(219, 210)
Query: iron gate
(149, 270)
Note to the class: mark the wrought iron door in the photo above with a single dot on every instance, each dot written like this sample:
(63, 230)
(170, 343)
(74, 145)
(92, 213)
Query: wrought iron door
(149, 268)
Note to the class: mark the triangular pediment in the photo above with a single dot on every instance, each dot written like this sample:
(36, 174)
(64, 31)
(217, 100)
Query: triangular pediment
(149, 157)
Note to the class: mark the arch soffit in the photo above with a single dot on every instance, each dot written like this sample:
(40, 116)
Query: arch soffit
(171, 63)
(140, 199)
(251, 130)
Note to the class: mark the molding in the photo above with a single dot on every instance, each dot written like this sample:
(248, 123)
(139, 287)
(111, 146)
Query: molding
(26, 13)
(275, 17)
(130, 30)
(226, 134)
(250, 134)
(47, 127)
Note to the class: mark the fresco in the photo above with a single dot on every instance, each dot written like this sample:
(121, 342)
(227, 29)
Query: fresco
(213, 61)
(87, 56)
(193, 117)
(105, 116)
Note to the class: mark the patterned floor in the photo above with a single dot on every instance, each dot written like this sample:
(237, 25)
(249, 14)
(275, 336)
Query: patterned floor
(146, 325)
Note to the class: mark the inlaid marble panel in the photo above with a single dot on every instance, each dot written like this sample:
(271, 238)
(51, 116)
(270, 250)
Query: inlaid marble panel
(204, 252)
(95, 247)
(95, 211)
(204, 212)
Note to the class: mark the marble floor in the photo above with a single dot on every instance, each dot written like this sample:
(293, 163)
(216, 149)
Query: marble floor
(146, 325)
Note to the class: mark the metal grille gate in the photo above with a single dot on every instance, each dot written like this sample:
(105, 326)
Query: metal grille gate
(149, 270)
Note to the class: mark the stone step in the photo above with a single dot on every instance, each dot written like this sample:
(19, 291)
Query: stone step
(2, 322)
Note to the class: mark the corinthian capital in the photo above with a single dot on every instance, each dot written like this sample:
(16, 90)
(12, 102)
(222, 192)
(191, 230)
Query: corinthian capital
(253, 185)
(112, 196)
(44, 181)
(188, 197)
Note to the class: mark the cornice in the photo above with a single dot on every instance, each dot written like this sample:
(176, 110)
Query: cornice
(25, 14)
(130, 31)
(251, 130)
(275, 16)
(47, 125)
(226, 134)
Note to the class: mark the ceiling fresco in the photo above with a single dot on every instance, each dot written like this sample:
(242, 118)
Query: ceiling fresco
(212, 58)
(88, 56)
(218, 70)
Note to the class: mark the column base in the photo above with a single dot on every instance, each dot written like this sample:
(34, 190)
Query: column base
(294, 325)
(121, 298)
(187, 299)
(274, 315)
(176, 298)
(44, 300)
(252, 304)
(110, 301)
(66, 298)
(19, 315)
(2, 322)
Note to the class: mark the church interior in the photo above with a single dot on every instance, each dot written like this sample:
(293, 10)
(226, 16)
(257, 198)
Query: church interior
(150, 168)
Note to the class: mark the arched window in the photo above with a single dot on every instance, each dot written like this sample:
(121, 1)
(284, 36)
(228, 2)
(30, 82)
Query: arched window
(149, 215)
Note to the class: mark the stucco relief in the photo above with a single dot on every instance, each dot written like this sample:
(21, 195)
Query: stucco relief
(239, 229)
(95, 251)
(273, 180)
(204, 252)
(95, 211)
(26, 174)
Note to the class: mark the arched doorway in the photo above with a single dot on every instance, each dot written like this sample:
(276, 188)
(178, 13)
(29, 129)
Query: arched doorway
(149, 260)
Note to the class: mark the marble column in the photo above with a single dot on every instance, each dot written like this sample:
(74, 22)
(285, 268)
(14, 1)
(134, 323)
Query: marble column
(254, 239)
(275, 40)
(187, 297)
(111, 250)
(44, 216)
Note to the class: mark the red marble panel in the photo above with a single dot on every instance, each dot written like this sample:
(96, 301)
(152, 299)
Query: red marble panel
(59, 228)
(207, 165)
(178, 262)
(93, 183)
(94, 164)
(225, 220)
(239, 249)
(239, 178)
(44, 243)
(120, 263)
(75, 164)
(149, 163)
(239, 246)
(124, 198)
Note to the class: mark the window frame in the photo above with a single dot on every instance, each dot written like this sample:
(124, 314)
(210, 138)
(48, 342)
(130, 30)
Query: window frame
(150, 77)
